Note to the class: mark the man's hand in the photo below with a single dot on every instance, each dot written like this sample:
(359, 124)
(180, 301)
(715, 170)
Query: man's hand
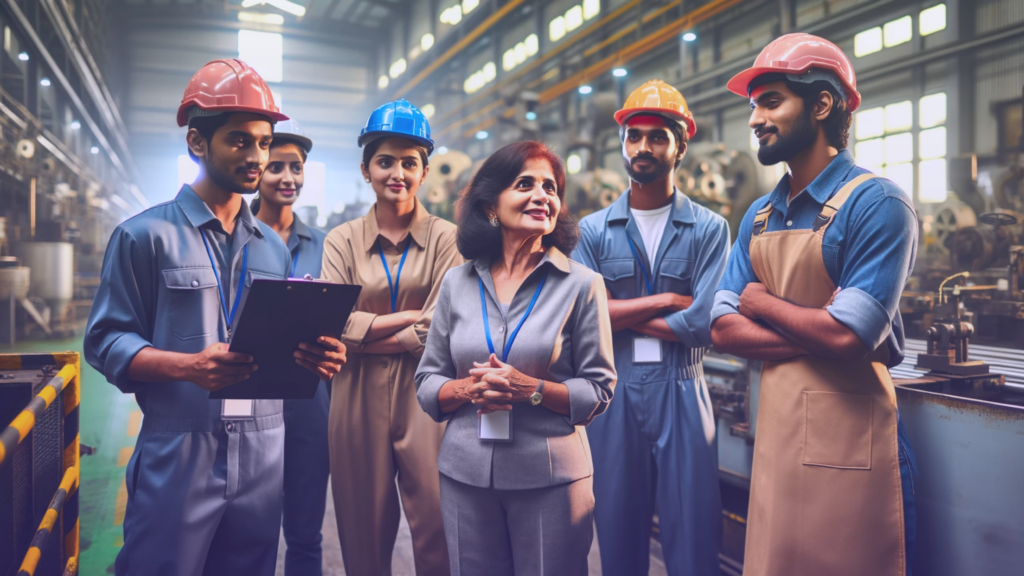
(324, 358)
(676, 302)
(215, 367)
(752, 299)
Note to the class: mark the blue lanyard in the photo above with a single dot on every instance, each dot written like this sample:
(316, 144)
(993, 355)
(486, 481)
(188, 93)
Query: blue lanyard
(228, 315)
(398, 275)
(295, 261)
(643, 269)
(512, 336)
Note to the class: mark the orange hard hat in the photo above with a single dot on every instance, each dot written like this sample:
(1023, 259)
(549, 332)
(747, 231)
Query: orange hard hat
(227, 86)
(802, 58)
(658, 98)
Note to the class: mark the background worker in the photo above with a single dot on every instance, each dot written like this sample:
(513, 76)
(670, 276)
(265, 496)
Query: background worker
(398, 253)
(661, 256)
(205, 480)
(813, 289)
(306, 456)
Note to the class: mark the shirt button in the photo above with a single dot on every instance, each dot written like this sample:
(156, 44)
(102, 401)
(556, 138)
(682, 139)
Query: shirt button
(195, 283)
(644, 377)
(230, 426)
(501, 329)
(789, 223)
(384, 364)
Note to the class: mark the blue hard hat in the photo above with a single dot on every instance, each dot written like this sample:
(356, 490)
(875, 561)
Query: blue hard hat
(290, 131)
(398, 118)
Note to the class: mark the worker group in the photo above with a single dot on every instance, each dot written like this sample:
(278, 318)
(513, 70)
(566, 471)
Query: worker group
(517, 379)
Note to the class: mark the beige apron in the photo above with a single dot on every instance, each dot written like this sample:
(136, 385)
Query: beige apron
(825, 496)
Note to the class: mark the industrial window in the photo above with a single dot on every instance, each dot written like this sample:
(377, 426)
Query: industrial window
(397, 67)
(932, 148)
(518, 54)
(480, 78)
(263, 51)
(933, 19)
(573, 18)
(428, 111)
(383, 81)
(899, 31)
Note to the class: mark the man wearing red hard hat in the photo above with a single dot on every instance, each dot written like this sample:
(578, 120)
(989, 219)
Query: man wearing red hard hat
(205, 481)
(812, 288)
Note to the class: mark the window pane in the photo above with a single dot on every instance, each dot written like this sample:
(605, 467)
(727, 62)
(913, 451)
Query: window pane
(870, 152)
(469, 5)
(867, 42)
(556, 29)
(870, 123)
(591, 8)
(933, 180)
(489, 71)
(262, 51)
(508, 60)
(532, 44)
(933, 19)
(899, 148)
(520, 51)
(397, 67)
(933, 110)
(899, 116)
(902, 175)
(932, 143)
(898, 31)
(573, 18)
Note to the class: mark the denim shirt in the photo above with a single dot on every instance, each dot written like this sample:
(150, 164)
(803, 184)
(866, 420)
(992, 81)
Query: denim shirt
(158, 289)
(868, 250)
(306, 246)
(689, 261)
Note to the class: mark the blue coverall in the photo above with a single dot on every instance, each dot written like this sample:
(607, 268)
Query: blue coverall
(306, 455)
(656, 441)
(204, 494)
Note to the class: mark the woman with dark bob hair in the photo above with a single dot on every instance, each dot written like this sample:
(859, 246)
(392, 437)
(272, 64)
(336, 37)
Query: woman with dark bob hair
(518, 360)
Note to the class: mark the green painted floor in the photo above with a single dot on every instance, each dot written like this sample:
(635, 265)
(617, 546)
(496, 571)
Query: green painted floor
(106, 419)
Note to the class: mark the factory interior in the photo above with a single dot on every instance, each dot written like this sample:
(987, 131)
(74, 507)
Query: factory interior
(89, 90)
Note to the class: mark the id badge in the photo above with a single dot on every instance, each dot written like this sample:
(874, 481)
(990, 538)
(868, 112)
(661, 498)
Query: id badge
(495, 427)
(646, 350)
(231, 409)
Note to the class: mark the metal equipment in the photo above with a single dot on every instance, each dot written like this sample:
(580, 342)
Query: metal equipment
(52, 281)
(726, 181)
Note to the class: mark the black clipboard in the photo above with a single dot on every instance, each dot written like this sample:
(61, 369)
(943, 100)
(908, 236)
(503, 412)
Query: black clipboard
(276, 316)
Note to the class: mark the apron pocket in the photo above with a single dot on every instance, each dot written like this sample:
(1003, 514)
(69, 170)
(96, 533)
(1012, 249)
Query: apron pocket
(837, 430)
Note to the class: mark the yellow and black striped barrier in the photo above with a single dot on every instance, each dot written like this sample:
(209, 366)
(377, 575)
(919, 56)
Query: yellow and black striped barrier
(39, 456)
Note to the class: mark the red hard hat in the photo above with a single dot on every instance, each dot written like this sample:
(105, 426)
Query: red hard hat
(796, 54)
(228, 86)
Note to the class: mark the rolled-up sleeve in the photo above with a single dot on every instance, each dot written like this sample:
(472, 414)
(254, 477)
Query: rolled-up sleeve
(878, 258)
(436, 365)
(593, 358)
(414, 337)
(738, 270)
(336, 268)
(120, 321)
(693, 325)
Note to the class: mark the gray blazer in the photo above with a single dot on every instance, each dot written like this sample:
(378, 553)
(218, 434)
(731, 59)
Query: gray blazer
(567, 339)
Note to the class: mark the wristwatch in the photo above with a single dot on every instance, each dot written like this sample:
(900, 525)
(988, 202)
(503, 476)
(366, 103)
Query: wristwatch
(538, 395)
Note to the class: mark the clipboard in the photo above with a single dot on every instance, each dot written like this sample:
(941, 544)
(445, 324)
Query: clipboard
(275, 317)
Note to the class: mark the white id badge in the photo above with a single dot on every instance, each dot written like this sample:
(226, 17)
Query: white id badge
(496, 426)
(231, 409)
(646, 350)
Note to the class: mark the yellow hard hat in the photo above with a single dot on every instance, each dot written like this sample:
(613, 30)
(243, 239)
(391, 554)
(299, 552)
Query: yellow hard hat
(661, 99)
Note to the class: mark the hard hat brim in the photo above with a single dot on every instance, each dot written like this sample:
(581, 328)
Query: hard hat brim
(183, 112)
(623, 116)
(368, 137)
(738, 84)
(303, 142)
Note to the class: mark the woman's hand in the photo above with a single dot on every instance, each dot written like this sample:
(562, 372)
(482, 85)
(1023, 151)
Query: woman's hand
(499, 384)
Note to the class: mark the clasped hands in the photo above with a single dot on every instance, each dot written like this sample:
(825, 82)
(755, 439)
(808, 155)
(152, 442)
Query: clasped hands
(494, 385)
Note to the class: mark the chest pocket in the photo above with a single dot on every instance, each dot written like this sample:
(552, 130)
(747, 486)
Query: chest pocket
(676, 275)
(194, 303)
(619, 277)
(257, 275)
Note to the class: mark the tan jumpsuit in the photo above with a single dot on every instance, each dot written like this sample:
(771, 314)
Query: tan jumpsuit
(825, 496)
(377, 429)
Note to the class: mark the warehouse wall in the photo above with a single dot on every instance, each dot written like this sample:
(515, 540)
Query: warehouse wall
(325, 87)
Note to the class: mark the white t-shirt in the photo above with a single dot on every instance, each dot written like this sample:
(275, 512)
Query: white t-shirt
(652, 226)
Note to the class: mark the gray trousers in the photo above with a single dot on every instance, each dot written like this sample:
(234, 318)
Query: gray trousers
(535, 532)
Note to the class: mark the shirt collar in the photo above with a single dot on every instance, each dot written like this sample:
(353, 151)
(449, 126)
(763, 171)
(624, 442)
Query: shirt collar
(821, 188)
(299, 228)
(199, 214)
(417, 228)
(682, 208)
(553, 255)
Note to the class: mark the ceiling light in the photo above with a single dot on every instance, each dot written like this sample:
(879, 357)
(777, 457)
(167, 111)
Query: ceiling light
(481, 135)
(619, 72)
(75, 124)
(531, 116)
(94, 150)
(382, 82)
(44, 82)
(426, 42)
(260, 18)
(442, 150)
(689, 37)
(397, 67)
(23, 56)
(428, 111)
(585, 89)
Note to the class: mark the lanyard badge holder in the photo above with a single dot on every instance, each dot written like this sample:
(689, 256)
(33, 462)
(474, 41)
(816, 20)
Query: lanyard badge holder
(646, 350)
(497, 426)
(231, 409)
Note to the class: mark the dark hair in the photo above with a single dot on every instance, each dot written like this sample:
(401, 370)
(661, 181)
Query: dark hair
(372, 146)
(207, 126)
(254, 206)
(476, 238)
(837, 124)
(674, 126)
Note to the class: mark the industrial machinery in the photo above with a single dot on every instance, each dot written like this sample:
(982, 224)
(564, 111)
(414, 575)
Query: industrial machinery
(441, 187)
(726, 181)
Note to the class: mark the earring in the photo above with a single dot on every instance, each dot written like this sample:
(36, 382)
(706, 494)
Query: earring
(367, 180)
(493, 219)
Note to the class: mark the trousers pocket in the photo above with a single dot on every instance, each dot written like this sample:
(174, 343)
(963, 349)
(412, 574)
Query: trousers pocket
(837, 430)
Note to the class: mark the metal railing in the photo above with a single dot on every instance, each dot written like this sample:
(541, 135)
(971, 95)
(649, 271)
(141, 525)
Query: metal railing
(27, 468)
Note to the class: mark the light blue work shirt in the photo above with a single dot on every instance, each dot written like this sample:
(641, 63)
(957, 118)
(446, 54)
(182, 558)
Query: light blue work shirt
(689, 262)
(158, 289)
(868, 250)
(306, 246)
